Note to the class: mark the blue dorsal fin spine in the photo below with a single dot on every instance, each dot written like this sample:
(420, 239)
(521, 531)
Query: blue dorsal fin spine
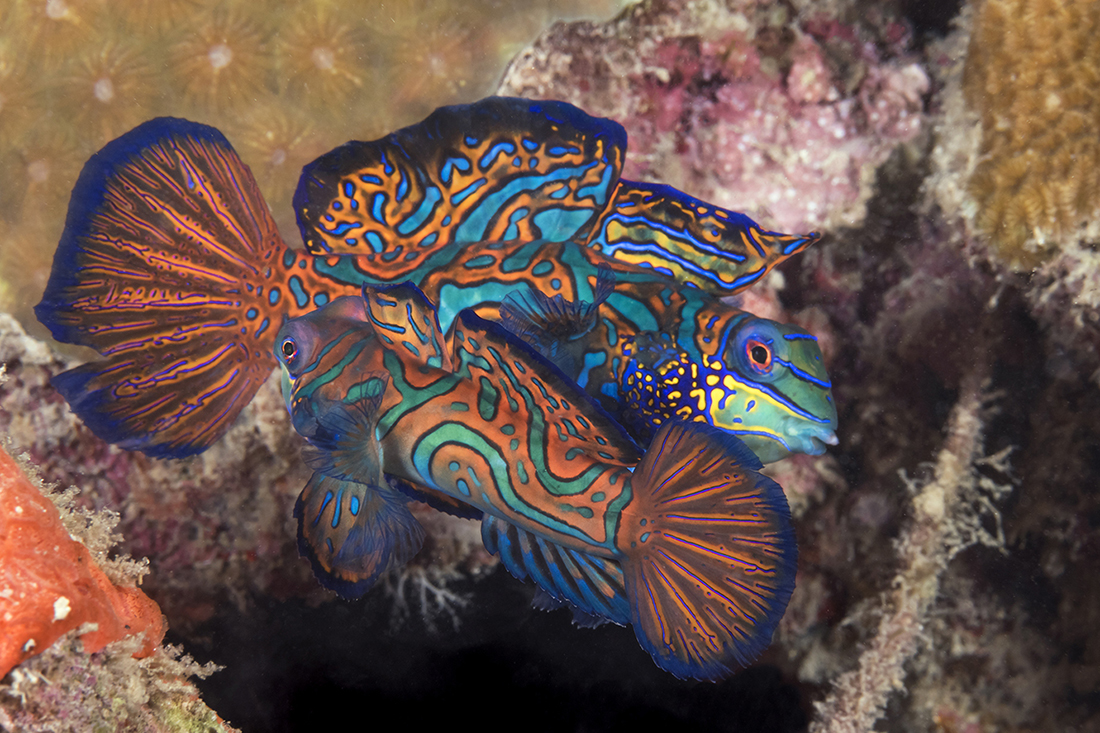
(351, 533)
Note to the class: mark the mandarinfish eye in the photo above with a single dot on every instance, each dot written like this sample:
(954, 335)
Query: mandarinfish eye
(289, 348)
(759, 355)
(754, 349)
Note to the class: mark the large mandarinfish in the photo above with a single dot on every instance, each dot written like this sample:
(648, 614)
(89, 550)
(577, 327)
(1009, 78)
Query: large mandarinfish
(688, 543)
(172, 268)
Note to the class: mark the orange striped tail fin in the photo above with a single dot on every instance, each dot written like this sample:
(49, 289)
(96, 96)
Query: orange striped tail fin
(710, 555)
(171, 267)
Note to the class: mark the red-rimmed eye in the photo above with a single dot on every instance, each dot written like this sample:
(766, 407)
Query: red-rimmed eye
(759, 355)
(289, 348)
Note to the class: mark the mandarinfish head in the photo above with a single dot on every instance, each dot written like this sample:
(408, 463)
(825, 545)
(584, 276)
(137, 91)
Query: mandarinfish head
(765, 382)
(319, 355)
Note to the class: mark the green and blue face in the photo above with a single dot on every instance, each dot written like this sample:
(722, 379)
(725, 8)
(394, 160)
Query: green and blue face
(763, 381)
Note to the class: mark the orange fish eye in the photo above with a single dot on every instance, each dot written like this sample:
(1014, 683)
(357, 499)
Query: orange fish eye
(760, 355)
(289, 348)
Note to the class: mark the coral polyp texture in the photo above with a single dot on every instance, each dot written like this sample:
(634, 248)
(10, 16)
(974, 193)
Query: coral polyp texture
(1033, 76)
(286, 80)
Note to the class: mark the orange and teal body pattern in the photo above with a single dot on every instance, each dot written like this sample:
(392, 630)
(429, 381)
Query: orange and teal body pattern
(689, 543)
(172, 268)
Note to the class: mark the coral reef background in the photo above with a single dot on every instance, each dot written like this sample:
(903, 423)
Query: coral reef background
(286, 82)
(949, 546)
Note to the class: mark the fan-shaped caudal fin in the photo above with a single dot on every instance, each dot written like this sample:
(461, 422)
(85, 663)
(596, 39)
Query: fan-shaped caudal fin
(710, 554)
(657, 226)
(169, 265)
(496, 170)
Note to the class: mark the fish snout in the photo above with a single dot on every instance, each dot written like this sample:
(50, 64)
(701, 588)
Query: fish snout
(811, 439)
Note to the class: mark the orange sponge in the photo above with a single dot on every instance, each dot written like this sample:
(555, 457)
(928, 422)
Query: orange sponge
(50, 584)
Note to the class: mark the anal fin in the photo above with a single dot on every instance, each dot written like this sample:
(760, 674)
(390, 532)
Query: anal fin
(591, 584)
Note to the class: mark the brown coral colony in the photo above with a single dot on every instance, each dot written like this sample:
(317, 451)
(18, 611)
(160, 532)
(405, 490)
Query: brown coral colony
(1033, 76)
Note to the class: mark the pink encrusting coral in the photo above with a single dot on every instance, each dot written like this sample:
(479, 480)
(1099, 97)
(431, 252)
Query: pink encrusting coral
(50, 584)
(744, 106)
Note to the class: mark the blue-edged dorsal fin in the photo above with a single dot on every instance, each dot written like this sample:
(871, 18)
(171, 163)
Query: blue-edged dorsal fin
(407, 323)
(499, 169)
(591, 584)
(660, 227)
(352, 532)
(709, 554)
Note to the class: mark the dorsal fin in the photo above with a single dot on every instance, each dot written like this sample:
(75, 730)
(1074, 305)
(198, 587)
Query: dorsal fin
(499, 169)
(657, 226)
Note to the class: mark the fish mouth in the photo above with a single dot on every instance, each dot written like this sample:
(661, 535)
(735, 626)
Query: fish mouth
(814, 440)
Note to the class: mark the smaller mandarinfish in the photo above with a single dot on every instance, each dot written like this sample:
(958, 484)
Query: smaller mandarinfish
(688, 543)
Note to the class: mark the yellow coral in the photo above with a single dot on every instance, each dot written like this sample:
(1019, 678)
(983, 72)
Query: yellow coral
(1033, 75)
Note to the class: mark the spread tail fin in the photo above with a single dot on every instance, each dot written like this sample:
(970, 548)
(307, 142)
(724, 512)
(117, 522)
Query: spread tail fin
(710, 555)
(171, 267)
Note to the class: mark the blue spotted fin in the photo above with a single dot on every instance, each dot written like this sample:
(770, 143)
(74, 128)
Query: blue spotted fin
(590, 584)
(500, 169)
(709, 552)
(352, 533)
(656, 226)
